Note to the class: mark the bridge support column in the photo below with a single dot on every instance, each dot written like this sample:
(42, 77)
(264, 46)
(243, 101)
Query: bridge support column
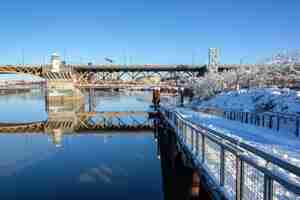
(195, 189)
(181, 179)
(92, 103)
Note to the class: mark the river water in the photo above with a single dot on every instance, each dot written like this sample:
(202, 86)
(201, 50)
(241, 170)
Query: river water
(92, 165)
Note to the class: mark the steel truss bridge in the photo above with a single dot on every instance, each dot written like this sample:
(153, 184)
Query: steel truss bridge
(106, 71)
(91, 73)
(84, 122)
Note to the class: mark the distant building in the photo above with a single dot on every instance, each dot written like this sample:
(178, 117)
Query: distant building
(55, 62)
(213, 56)
(213, 59)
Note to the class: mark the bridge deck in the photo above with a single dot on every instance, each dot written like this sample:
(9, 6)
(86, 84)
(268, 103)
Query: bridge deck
(119, 68)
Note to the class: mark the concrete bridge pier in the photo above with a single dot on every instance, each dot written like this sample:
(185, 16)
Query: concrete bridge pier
(61, 82)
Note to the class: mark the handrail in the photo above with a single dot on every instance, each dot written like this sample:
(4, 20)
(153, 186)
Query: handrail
(265, 112)
(239, 149)
(268, 157)
(259, 119)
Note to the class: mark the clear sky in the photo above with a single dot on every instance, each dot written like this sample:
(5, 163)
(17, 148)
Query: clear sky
(146, 31)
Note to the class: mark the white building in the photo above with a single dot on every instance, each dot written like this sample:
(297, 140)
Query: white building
(55, 62)
(213, 56)
(213, 59)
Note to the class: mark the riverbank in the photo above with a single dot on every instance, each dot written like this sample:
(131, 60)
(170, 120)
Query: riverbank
(254, 100)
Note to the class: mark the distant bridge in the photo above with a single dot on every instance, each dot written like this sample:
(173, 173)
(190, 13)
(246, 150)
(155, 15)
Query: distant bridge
(107, 72)
(119, 71)
(111, 76)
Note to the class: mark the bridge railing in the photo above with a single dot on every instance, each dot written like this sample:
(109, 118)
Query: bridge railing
(273, 120)
(235, 169)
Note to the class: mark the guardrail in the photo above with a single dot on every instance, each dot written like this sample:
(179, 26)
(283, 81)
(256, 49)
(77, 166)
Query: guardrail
(272, 120)
(237, 170)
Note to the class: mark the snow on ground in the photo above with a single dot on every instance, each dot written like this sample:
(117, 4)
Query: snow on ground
(278, 144)
(260, 99)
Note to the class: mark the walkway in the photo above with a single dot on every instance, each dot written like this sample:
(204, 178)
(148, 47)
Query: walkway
(276, 143)
(242, 161)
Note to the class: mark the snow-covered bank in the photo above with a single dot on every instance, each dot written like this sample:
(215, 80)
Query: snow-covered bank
(274, 143)
(255, 100)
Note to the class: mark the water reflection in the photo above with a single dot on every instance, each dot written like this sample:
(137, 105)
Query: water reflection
(180, 179)
(64, 161)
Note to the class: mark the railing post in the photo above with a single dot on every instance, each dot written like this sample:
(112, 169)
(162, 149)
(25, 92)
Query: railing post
(182, 96)
(203, 148)
(278, 121)
(192, 138)
(255, 119)
(263, 120)
(222, 166)
(239, 178)
(197, 143)
(178, 126)
(185, 131)
(297, 126)
(268, 188)
(246, 117)
(271, 122)
(182, 130)
(242, 116)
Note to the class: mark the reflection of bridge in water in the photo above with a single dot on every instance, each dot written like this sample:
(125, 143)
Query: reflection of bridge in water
(83, 122)
(69, 116)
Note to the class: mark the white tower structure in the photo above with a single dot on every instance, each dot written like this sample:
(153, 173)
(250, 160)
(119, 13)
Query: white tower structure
(213, 59)
(55, 62)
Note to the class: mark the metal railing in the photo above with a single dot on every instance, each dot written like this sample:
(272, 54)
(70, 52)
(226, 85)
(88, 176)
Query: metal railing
(272, 120)
(238, 171)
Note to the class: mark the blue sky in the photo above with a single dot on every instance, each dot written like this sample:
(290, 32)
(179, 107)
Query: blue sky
(146, 31)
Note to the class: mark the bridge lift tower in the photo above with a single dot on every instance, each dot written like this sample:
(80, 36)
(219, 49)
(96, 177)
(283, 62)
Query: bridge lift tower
(213, 59)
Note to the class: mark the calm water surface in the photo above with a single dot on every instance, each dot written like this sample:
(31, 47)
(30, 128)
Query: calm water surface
(94, 165)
